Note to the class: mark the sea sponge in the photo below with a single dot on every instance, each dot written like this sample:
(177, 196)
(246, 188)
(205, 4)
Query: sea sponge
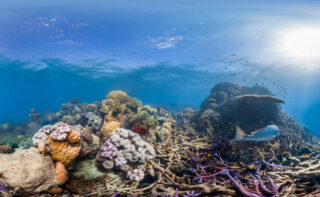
(120, 96)
(108, 127)
(61, 173)
(62, 151)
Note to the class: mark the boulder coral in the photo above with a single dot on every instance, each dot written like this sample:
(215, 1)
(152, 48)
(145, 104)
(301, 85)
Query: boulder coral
(108, 127)
(28, 170)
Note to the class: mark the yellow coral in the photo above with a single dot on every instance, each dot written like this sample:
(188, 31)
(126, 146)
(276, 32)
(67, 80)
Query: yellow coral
(120, 96)
(73, 137)
(61, 173)
(108, 127)
(62, 151)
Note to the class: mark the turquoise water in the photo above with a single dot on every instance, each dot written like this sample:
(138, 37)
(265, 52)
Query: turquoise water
(167, 53)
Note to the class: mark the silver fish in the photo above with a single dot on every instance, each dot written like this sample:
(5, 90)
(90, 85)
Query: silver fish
(267, 133)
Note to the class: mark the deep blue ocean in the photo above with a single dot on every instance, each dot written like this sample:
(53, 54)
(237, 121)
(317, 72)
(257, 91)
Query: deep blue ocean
(168, 53)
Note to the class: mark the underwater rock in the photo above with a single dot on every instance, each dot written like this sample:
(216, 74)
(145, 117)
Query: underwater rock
(5, 149)
(87, 136)
(108, 164)
(27, 169)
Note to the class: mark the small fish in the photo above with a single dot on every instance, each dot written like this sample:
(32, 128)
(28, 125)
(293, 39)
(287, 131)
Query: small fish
(139, 130)
(306, 154)
(285, 153)
(190, 152)
(264, 134)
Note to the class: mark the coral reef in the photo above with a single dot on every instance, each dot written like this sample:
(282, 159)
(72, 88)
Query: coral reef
(122, 148)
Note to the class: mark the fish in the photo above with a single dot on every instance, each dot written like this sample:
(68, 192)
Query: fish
(265, 134)
(139, 130)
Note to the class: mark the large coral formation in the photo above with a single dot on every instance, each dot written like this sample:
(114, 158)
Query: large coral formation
(27, 169)
(105, 146)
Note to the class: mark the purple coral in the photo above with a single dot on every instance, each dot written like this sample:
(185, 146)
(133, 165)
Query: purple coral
(60, 132)
(108, 150)
(120, 161)
(3, 188)
(45, 129)
(136, 175)
(191, 194)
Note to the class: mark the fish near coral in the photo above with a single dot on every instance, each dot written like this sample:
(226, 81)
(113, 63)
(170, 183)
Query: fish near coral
(267, 133)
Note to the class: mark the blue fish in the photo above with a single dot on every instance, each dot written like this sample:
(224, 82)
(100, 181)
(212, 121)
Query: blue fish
(265, 134)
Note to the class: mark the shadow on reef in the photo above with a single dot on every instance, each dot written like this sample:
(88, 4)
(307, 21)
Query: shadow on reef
(120, 147)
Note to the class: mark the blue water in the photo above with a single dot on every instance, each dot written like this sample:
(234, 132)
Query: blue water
(163, 52)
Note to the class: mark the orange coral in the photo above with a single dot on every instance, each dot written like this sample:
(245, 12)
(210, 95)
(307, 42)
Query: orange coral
(55, 190)
(108, 127)
(42, 148)
(73, 137)
(63, 151)
(61, 173)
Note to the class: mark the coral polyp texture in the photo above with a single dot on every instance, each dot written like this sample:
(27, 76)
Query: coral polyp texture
(132, 146)
(109, 150)
(135, 175)
(120, 147)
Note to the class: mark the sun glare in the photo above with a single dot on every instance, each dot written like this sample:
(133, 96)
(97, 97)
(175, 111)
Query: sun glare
(300, 43)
